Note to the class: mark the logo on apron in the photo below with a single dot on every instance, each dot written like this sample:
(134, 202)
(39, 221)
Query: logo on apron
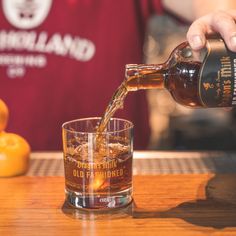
(26, 14)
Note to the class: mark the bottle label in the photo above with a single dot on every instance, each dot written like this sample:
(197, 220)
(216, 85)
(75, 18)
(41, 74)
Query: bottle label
(217, 84)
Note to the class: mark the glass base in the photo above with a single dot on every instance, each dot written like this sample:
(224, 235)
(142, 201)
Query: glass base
(99, 201)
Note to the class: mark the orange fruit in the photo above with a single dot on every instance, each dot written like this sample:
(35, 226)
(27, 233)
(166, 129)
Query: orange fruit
(3, 115)
(14, 155)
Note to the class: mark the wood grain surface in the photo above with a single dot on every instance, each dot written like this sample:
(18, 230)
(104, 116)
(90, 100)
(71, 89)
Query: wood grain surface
(163, 205)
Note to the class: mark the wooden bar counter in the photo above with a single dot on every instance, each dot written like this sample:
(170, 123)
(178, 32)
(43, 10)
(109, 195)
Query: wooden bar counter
(164, 204)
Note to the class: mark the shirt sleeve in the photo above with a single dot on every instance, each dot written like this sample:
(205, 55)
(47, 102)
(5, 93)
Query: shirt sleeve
(157, 6)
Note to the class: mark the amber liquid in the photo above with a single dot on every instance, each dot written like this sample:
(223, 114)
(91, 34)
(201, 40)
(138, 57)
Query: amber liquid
(95, 175)
(108, 169)
(115, 103)
(181, 80)
(183, 83)
(107, 173)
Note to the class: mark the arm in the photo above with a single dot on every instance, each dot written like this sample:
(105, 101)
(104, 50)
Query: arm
(208, 16)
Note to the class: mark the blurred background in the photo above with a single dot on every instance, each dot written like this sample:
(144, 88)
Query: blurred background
(174, 126)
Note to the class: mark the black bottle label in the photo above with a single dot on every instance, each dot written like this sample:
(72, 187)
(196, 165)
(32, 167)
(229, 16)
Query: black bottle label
(217, 83)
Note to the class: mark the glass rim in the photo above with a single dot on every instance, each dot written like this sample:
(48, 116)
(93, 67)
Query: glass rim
(131, 125)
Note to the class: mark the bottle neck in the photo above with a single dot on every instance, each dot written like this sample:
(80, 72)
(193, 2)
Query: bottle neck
(145, 76)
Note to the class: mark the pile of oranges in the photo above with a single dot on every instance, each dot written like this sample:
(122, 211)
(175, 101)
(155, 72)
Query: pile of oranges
(14, 150)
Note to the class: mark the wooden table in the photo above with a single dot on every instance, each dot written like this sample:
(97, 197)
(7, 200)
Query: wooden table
(164, 204)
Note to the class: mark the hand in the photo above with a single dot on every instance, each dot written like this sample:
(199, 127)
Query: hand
(222, 22)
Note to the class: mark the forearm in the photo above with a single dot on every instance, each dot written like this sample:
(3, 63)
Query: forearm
(190, 10)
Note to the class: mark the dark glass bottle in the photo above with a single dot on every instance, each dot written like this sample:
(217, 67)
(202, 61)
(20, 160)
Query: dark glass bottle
(202, 78)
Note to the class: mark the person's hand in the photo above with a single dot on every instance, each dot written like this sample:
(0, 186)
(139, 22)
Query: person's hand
(222, 22)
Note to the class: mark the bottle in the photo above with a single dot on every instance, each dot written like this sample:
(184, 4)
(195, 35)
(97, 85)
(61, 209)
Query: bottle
(205, 78)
